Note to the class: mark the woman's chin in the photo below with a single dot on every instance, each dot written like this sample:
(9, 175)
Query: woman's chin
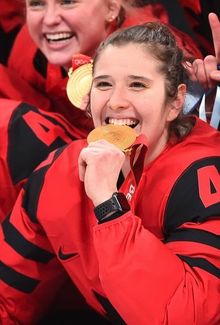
(58, 58)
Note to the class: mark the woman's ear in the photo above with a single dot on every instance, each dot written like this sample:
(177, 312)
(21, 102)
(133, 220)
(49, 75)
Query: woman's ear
(114, 7)
(177, 104)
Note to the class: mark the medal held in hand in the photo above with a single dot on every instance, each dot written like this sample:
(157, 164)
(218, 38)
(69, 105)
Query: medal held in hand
(80, 79)
(122, 136)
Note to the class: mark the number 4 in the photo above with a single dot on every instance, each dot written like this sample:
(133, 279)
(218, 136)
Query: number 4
(209, 185)
(45, 130)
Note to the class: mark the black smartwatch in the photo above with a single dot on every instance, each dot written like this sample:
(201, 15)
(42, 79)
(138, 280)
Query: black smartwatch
(115, 207)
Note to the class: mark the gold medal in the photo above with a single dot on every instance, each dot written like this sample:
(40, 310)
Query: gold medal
(79, 83)
(122, 136)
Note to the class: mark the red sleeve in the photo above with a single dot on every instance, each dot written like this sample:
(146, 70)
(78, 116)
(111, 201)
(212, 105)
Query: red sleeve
(146, 280)
(29, 264)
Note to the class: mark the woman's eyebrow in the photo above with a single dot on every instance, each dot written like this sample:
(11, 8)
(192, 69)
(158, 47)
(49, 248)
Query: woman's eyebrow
(135, 77)
(104, 76)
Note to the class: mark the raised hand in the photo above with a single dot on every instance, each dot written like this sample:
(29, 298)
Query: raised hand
(206, 71)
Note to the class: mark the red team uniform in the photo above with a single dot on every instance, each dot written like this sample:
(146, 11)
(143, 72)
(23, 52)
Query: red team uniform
(157, 264)
(27, 135)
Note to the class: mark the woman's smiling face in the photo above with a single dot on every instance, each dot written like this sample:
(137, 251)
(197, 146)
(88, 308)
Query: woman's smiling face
(129, 88)
(61, 28)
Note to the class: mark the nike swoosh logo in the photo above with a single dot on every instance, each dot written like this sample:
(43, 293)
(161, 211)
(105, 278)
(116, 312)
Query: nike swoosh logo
(65, 256)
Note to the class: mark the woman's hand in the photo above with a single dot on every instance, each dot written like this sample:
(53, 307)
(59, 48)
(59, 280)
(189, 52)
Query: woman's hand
(99, 166)
(205, 71)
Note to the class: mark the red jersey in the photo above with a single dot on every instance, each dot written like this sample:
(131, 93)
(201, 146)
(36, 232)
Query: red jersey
(27, 136)
(157, 264)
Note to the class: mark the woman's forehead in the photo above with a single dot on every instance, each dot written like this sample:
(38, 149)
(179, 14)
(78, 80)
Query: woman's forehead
(130, 59)
(127, 52)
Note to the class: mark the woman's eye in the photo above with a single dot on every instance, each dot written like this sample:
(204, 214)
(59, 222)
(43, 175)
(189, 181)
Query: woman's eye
(137, 85)
(103, 85)
(36, 3)
(67, 2)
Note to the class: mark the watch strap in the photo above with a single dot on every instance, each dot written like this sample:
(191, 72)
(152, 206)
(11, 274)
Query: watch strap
(110, 209)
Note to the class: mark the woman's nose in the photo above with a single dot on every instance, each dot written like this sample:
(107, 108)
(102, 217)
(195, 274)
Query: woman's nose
(118, 99)
(52, 14)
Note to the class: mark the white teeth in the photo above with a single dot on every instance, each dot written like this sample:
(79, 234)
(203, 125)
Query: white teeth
(127, 121)
(58, 36)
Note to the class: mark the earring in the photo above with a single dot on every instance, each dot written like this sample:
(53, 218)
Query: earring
(111, 19)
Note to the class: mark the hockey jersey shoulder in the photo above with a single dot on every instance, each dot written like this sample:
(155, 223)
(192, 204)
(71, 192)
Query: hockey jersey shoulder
(28, 135)
(195, 194)
(180, 181)
(32, 134)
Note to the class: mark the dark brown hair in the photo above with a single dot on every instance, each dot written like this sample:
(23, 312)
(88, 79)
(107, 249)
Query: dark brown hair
(157, 38)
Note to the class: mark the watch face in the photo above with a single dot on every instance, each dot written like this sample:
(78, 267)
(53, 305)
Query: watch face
(121, 202)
